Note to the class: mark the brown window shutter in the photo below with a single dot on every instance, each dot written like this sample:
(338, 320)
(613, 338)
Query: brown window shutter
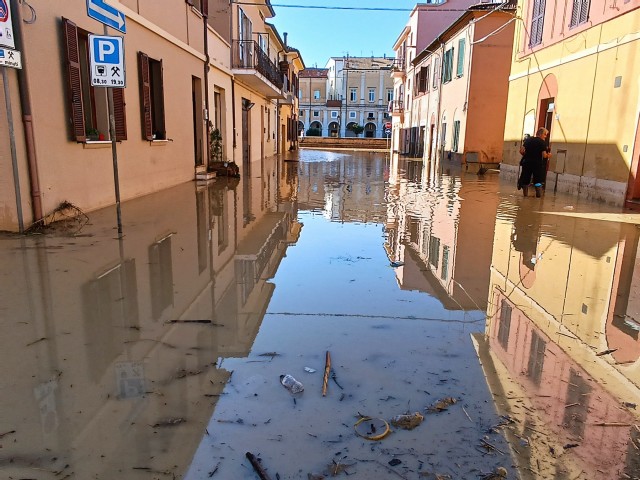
(119, 113)
(205, 8)
(76, 109)
(161, 93)
(145, 95)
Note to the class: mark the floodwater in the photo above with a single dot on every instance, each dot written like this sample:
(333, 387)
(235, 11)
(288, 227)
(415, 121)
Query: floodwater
(510, 324)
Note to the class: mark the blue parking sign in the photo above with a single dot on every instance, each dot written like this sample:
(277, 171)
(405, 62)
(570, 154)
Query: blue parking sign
(106, 54)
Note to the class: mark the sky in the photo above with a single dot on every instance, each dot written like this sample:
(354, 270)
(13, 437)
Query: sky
(321, 33)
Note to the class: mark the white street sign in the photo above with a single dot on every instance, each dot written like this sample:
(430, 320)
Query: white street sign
(6, 27)
(106, 54)
(10, 58)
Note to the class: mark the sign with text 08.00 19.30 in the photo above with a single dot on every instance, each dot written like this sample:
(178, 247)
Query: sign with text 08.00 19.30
(106, 54)
(6, 27)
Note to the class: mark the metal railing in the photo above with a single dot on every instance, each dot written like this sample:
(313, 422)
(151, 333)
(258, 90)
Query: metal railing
(396, 106)
(398, 65)
(248, 54)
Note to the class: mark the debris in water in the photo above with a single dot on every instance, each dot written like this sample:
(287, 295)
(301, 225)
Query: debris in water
(441, 405)
(255, 463)
(606, 352)
(397, 264)
(169, 423)
(291, 384)
(372, 428)
(309, 370)
(395, 462)
(407, 421)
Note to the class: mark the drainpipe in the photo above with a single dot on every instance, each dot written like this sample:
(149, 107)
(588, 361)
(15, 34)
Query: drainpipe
(233, 82)
(27, 119)
(207, 148)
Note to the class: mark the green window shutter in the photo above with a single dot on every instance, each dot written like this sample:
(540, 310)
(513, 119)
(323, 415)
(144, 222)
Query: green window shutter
(460, 67)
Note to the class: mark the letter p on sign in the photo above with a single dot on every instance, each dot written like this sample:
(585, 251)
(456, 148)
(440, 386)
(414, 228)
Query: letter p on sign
(106, 50)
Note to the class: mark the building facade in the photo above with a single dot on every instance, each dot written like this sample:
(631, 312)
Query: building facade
(575, 71)
(349, 91)
(187, 74)
(459, 88)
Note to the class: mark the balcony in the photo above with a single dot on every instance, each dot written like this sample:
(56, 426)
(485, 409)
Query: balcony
(334, 103)
(397, 109)
(254, 68)
(398, 68)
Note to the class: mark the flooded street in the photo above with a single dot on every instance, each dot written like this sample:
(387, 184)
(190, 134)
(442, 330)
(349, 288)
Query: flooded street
(509, 324)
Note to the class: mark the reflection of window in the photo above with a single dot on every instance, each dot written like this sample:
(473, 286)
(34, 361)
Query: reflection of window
(88, 109)
(152, 98)
(504, 327)
(203, 231)
(445, 262)
(456, 136)
(580, 12)
(537, 22)
(434, 251)
(110, 306)
(160, 276)
(536, 358)
(577, 403)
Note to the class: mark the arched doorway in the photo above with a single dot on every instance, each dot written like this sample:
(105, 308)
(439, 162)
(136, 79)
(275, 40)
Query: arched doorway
(370, 130)
(348, 132)
(334, 129)
(300, 128)
(315, 129)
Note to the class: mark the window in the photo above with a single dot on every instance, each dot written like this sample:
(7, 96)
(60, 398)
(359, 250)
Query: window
(301, 113)
(504, 326)
(353, 94)
(423, 79)
(580, 12)
(334, 114)
(88, 110)
(460, 66)
(370, 116)
(447, 65)
(436, 73)
(389, 94)
(537, 22)
(352, 114)
(245, 46)
(316, 113)
(456, 136)
(202, 5)
(372, 95)
(152, 98)
(434, 251)
(316, 94)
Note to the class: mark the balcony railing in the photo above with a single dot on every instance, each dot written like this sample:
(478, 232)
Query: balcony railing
(398, 64)
(248, 55)
(396, 106)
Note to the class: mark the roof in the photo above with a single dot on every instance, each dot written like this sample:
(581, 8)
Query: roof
(314, 73)
(367, 63)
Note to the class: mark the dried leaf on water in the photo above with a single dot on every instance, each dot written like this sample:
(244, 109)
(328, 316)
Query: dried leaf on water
(407, 421)
(441, 405)
(169, 423)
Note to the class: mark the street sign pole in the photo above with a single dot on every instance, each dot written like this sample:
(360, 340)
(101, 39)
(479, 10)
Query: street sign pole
(114, 151)
(12, 144)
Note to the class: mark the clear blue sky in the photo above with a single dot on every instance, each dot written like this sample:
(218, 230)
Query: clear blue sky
(323, 33)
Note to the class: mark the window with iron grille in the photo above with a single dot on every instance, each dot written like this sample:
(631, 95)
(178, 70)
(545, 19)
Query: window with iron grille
(456, 135)
(580, 12)
(537, 23)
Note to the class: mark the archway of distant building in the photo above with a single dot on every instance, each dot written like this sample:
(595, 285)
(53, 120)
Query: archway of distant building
(370, 130)
(334, 129)
(316, 126)
(300, 128)
(349, 132)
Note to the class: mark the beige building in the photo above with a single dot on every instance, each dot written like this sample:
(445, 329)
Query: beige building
(187, 73)
(348, 91)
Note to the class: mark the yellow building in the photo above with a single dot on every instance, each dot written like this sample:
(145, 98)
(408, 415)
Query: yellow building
(186, 73)
(575, 71)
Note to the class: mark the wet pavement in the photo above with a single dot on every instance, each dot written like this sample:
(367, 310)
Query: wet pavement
(509, 324)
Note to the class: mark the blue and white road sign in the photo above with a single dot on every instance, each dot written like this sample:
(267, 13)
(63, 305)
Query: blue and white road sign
(110, 16)
(106, 55)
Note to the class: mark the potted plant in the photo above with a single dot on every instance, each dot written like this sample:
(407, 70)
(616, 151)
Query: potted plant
(92, 134)
(355, 128)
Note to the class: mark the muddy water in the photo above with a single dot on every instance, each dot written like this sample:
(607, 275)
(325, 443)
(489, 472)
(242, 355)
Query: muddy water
(159, 355)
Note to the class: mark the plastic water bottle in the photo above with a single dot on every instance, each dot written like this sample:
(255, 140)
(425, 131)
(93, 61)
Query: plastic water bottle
(291, 384)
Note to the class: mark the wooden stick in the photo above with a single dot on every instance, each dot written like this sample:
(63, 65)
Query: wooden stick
(327, 369)
(255, 463)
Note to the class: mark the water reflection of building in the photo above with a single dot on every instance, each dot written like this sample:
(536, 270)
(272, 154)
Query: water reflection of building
(561, 353)
(345, 188)
(441, 228)
(110, 349)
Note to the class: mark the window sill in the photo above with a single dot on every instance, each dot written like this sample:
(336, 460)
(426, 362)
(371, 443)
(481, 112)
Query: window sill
(158, 143)
(93, 144)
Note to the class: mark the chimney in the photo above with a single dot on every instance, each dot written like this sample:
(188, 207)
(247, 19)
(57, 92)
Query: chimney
(285, 34)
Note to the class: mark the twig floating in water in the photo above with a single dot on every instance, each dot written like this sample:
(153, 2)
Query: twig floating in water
(255, 463)
(327, 369)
